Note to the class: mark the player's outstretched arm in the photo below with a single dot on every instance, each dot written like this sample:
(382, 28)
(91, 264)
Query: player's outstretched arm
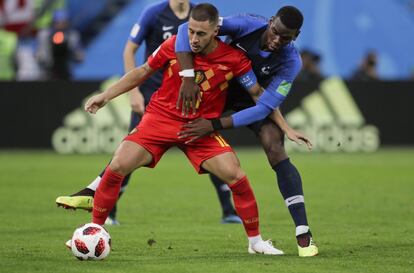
(291, 133)
(277, 117)
(130, 80)
(136, 98)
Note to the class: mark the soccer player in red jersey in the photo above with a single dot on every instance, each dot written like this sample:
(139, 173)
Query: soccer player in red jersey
(216, 63)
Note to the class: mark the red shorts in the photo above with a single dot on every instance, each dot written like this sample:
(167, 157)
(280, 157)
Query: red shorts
(157, 134)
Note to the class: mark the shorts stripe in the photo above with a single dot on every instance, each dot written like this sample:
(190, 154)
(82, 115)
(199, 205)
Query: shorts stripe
(224, 141)
(221, 140)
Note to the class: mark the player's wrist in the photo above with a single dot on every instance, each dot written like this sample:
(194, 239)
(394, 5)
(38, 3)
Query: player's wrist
(216, 124)
(187, 73)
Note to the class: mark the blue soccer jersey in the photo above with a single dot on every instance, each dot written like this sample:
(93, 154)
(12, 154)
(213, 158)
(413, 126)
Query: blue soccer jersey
(156, 24)
(275, 71)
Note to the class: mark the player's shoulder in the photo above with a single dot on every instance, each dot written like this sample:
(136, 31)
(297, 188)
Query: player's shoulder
(228, 49)
(156, 8)
(249, 19)
(291, 55)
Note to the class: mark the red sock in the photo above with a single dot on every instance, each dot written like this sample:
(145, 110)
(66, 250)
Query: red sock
(246, 206)
(106, 195)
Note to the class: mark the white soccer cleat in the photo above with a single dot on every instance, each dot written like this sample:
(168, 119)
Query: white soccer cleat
(264, 247)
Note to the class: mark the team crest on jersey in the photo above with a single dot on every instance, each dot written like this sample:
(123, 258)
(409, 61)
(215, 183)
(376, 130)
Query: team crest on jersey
(265, 70)
(199, 76)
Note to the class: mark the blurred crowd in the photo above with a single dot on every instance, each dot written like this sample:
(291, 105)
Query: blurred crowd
(37, 41)
(366, 70)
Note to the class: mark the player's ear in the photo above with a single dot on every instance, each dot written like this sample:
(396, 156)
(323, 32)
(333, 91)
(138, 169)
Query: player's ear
(216, 30)
(297, 34)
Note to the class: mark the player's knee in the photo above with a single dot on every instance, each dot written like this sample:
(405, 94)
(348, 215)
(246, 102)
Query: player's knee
(119, 166)
(234, 175)
(275, 152)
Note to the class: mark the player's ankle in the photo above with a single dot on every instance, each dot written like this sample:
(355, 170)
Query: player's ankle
(84, 192)
(255, 239)
(304, 239)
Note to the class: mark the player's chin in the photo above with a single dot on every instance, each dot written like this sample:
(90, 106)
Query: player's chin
(196, 49)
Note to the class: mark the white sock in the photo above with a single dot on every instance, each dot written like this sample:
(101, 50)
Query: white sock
(255, 239)
(301, 230)
(94, 185)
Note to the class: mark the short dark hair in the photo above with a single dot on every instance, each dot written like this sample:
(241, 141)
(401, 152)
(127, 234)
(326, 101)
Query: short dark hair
(291, 17)
(204, 12)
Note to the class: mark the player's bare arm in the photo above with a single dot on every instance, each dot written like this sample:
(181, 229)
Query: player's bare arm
(189, 90)
(277, 117)
(201, 127)
(130, 80)
(135, 96)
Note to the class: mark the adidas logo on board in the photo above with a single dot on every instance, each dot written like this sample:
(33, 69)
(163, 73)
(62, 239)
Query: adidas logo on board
(332, 120)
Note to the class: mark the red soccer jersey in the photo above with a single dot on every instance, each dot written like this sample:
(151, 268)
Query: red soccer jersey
(213, 72)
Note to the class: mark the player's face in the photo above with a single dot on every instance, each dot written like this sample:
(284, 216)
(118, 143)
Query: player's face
(278, 35)
(201, 34)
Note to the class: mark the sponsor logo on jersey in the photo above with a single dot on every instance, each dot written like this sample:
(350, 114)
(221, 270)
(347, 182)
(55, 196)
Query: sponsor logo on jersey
(242, 48)
(332, 120)
(166, 28)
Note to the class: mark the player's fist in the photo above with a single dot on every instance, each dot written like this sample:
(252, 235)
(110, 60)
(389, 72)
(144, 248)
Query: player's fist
(95, 103)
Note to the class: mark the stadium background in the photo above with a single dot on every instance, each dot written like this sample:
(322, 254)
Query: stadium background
(359, 197)
(340, 33)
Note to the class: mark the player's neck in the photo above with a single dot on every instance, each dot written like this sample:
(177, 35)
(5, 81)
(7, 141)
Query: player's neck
(263, 41)
(210, 48)
(180, 10)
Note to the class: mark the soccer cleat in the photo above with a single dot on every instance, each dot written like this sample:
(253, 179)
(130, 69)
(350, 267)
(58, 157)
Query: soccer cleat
(231, 219)
(264, 247)
(68, 244)
(75, 202)
(111, 221)
(308, 251)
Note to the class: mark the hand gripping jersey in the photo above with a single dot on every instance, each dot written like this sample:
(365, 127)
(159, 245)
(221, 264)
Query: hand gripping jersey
(213, 73)
(275, 71)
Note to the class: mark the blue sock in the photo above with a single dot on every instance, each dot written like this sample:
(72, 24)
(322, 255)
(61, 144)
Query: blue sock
(290, 186)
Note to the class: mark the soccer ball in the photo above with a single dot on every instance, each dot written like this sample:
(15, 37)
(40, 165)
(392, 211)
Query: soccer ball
(91, 242)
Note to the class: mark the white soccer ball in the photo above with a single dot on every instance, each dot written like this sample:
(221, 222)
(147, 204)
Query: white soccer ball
(91, 242)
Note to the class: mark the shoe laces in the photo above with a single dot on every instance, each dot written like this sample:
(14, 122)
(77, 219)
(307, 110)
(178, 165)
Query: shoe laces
(268, 243)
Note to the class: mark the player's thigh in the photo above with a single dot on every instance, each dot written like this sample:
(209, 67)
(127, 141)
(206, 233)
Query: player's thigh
(128, 157)
(226, 166)
(272, 140)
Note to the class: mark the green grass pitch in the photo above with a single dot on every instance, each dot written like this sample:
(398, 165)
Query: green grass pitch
(360, 208)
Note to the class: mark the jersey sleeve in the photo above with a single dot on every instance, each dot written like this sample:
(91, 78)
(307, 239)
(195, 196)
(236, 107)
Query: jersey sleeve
(272, 97)
(183, 42)
(144, 24)
(243, 64)
(281, 83)
(240, 25)
(163, 54)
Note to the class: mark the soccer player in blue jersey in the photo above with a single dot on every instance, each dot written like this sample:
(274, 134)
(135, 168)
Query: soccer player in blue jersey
(157, 23)
(276, 63)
